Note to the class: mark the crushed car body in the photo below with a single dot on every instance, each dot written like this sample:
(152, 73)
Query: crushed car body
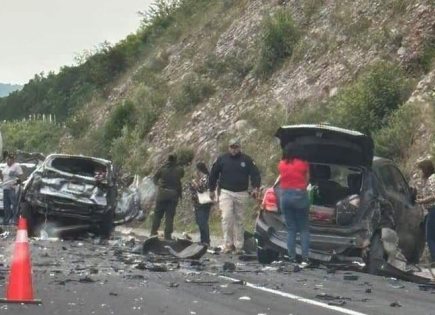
(71, 187)
(135, 200)
(354, 196)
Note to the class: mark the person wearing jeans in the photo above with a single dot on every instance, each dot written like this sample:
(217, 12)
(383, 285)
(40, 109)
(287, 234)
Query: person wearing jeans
(9, 204)
(427, 200)
(430, 232)
(199, 184)
(294, 202)
(11, 176)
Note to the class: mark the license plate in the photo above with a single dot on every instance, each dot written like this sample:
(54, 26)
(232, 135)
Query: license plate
(76, 187)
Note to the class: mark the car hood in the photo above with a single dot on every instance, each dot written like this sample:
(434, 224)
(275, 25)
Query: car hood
(328, 144)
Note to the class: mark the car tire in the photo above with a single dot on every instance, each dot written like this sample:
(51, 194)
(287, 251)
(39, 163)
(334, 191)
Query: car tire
(376, 256)
(266, 256)
(106, 225)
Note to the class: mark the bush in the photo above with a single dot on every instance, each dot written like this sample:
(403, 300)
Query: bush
(193, 91)
(78, 124)
(32, 136)
(149, 104)
(394, 140)
(185, 156)
(122, 115)
(278, 38)
(427, 56)
(310, 7)
(366, 104)
(215, 67)
(129, 152)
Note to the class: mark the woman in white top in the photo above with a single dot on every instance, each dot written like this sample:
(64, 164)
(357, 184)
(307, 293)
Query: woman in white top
(11, 176)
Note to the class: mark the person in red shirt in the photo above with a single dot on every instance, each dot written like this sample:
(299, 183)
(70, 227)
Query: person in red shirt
(294, 178)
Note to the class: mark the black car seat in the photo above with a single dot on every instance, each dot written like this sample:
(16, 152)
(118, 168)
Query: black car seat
(329, 191)
(354, 182)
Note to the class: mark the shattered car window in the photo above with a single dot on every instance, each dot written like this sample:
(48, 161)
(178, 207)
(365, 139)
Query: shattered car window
(82, 167)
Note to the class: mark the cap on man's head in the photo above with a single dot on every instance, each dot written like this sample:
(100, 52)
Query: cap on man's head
(234, 142)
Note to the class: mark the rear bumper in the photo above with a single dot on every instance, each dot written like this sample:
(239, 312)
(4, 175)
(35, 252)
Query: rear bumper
(267, 238)
(70, 210)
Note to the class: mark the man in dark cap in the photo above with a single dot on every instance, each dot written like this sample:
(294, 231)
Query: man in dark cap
(232, 172)
(168, 180)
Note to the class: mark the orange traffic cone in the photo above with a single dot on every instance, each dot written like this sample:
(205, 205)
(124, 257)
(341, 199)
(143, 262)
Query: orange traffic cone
(19, 289)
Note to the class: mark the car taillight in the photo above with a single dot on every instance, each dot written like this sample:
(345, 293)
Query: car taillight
(269, 202)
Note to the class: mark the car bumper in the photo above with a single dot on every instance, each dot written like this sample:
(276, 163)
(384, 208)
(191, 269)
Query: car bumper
(69, 210)
(267, 238)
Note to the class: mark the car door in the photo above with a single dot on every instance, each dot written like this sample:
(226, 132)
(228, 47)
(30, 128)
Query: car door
(385, 175)
(408, 216)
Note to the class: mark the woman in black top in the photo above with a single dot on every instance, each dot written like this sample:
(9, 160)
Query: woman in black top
(199, 184)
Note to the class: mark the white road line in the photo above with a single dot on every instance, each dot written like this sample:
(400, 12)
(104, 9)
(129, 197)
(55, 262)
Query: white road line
(295, 297)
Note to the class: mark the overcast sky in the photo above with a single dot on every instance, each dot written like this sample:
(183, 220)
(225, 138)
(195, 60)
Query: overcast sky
(43, 35)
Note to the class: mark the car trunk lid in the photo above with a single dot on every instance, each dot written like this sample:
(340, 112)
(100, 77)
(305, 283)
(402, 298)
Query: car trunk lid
(327, 144)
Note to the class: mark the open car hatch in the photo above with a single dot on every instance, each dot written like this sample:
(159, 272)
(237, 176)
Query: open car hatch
(327, 144)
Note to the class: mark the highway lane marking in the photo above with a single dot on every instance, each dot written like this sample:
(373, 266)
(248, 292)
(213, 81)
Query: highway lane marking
(293, 297)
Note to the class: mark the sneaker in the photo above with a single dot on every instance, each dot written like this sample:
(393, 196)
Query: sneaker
(305, 263)
(291, 260)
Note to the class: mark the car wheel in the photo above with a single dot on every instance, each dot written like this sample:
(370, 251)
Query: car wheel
(376, 256)
(266, 256)
(106, 225)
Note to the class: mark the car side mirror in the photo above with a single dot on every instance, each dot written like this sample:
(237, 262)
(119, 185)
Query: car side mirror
(413, 192)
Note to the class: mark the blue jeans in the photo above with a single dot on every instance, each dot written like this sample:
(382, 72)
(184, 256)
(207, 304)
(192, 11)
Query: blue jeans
(430, 232)
(295, 205)
(202, 213)
(9, 204)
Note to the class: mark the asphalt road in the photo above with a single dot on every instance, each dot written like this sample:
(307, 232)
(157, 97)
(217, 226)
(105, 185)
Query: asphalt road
(86, 277)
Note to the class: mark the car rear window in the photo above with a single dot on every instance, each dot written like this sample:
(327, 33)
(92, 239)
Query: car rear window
(79, 166)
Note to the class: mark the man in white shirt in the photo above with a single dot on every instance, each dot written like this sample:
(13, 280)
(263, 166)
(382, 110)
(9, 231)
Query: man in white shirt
(11, 175)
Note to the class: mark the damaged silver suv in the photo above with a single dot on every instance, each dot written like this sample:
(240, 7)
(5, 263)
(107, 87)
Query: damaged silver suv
(354, 195)
(71, 188)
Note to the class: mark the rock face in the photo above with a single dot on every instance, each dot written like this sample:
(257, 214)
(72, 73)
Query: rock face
(338, 40)
(331, 56)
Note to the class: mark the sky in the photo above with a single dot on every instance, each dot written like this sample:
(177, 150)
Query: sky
(43, 35)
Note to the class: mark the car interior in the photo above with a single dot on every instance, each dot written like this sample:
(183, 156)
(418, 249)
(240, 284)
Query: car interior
(83, 167)
(332, 189)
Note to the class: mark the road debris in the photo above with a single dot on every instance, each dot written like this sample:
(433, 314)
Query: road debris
(228, 266)
(337, 303)
(350, 277)
(396, 304)
(395, 283)
(329, 297)
(244, 298)
(180, 248)
(173, 285)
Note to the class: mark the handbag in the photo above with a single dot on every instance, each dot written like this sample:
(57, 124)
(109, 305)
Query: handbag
(204, 197)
